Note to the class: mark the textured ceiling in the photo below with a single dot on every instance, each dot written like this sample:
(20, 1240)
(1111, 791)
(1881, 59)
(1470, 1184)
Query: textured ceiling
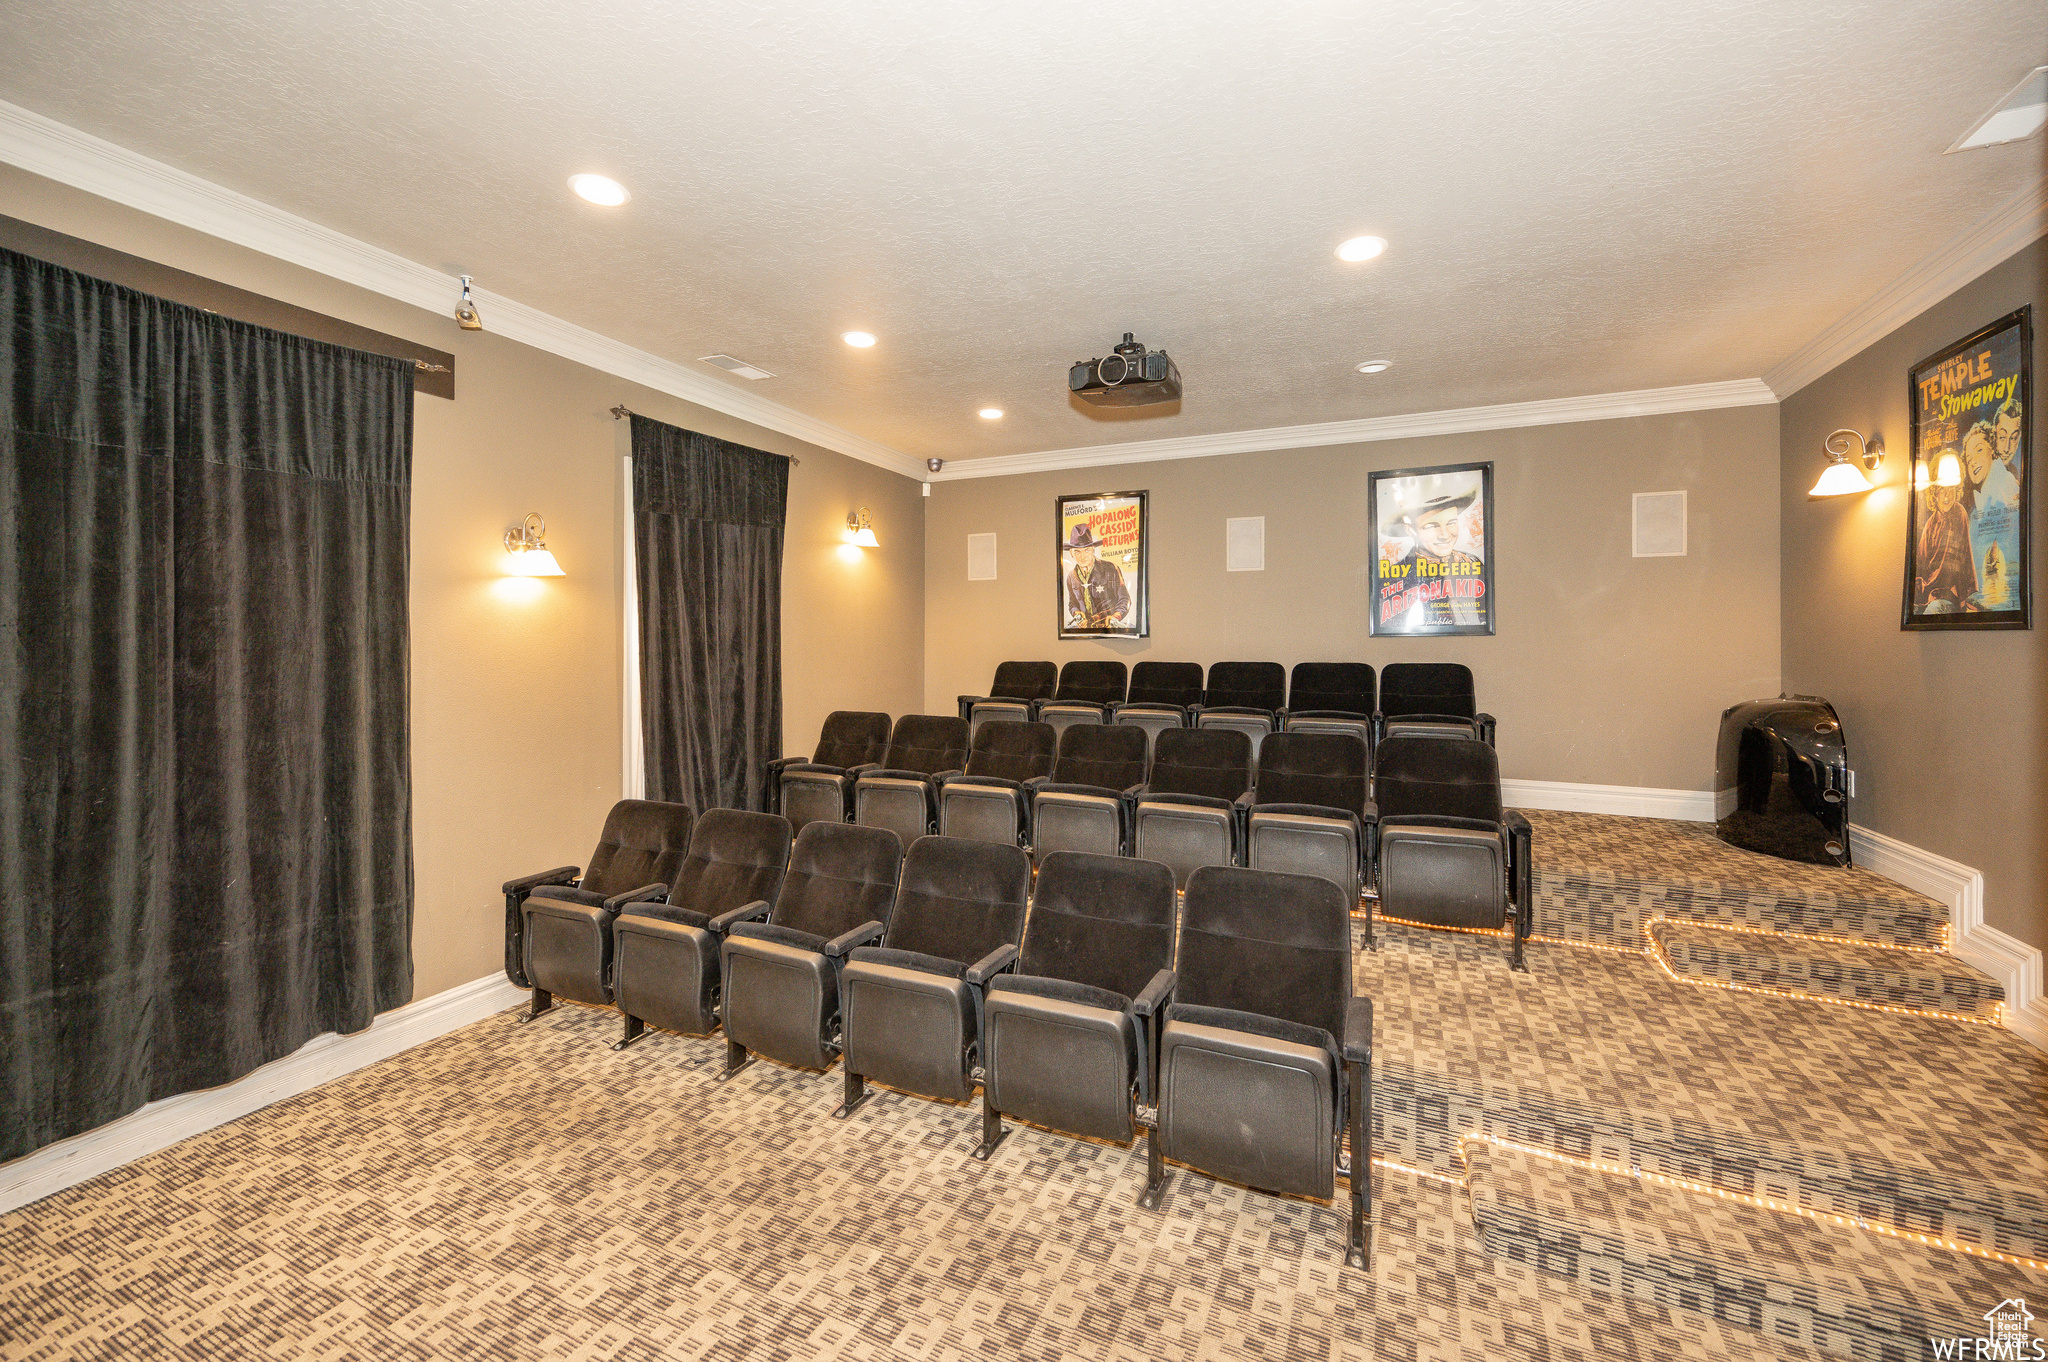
(1582, 196)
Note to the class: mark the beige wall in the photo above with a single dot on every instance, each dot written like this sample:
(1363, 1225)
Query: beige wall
(516, 700)
(1605, 669)
(1947, 731)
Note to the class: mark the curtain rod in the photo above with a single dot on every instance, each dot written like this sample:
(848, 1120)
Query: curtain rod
(622, 411)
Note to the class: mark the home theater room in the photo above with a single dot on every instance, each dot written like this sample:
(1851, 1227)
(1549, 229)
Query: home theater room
(1171, 681)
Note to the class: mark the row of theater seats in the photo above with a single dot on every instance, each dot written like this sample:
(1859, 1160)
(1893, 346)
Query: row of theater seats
(1417, 816)
(1221, 1022)
(1255, 698)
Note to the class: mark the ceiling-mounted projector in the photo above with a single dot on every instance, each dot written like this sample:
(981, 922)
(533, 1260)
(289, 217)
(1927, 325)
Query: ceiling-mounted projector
(1131, 376)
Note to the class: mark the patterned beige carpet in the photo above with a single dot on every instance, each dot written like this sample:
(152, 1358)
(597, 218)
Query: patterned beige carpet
(523, 1192)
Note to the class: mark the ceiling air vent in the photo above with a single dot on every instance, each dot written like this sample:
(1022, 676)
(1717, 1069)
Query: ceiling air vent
(736, 366)
(2020, 114)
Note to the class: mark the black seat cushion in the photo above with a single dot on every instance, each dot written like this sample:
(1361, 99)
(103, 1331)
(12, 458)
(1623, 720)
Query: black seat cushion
(1109, 756)
(643, 842)
(1427, 688)
(927, 743)
(1451, 777)
(917, 960)
(1065, 990)
(1102, 921)
(1098, 683)
(1313, 768)
(1008, 750)
(840, 875)
(1332, 688)
(668, 912)
(960, 899)
(1247, 685)
(736, 858)
(1260, 941)
(852, 738)
(788, 936)
(1216, 762)
(563, 893)
(1023, 681)
(1259, 1024)
(1166, 683)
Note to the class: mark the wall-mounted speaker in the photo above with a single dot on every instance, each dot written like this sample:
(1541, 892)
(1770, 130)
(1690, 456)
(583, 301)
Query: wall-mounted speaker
(1245, 543)
(981, 558)
(1659, 525)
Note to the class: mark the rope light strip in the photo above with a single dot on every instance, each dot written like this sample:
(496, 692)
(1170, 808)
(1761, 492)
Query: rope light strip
(1412, 1172)
(1743, 1198)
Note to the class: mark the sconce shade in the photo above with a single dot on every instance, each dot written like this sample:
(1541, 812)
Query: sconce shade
(1838, 479)
(533, 563)
(861, 529)
(866, 539)
(1920, 478)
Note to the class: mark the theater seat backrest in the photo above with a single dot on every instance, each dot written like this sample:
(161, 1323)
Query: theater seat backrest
(735, 858)
(927, 743)
(1216, 762)
(1009, 750)
(1249, 685)
(1098, 683)
(1024, 681)
(643, 843)
(1104, 921)
(1332, 687)
(959, 899)
(1166, 683)
(1262, 942)
(840, 875)
(1313, 768)
(1445, 777)
(1108, 756)
(1427, 688)
(852, 738)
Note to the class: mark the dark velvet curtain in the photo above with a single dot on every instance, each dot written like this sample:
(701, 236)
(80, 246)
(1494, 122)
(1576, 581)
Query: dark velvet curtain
(707, 537)
(205, 793)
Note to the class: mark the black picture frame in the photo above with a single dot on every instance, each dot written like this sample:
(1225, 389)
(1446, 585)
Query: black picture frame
(1416, 594)
(1106, 517)
(1969, 548)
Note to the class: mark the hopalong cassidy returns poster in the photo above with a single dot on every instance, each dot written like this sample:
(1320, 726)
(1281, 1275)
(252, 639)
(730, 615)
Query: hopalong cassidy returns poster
(1101, 566)
(1968, 531)
(1431, 530)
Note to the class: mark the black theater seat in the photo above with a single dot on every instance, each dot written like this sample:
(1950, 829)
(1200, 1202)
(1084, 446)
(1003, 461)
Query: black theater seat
(1087, 692)
(990, 800)
(1445, 852)
(1071, 1033)
(1161, 696)
(1266, 1057)
(1245, 696)
(782, 967)
(1086, 806)
(1187, 813)
(665, 962)
(1332, 697)
(820, 788)
(1015, 692)
(913, 1004)
(1307, 815)
(1431, 699)
(558, 927)
(902, 793)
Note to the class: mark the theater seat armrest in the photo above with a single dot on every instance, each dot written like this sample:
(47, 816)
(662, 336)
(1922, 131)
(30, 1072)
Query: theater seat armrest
(1358, 1031)
(561, 874)
(750, 912)
(859, 936)
(646, 893)
(937, 777)
(1518, 823)
(1135, 790)
(866, 768)
(992, 964)
(1155, 994)
(784, 763)
(1485, 724)
(1245, 801)
(1034, 785)
(1371, 814)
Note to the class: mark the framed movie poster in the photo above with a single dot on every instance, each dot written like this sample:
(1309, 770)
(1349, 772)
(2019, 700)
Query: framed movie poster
(1102, 562)
(1431, 532)
(1968, 536)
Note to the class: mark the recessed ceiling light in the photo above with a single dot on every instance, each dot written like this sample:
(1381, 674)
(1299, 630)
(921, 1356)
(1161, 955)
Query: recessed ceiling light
(991, 413)
(2020, 114)
(1375, 366)
(599, 190)
(1361, 248)
(859, 340)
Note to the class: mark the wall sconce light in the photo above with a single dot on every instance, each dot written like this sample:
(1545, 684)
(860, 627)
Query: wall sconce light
(861, 526)
(1948, 472)
(1842, 476)
(465, 310)
(526, 549)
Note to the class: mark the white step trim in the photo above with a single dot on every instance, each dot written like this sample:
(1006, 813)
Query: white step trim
(2014, 964)
(1741, 392)
(160, 1124)
(57, 152)
(2008, 228)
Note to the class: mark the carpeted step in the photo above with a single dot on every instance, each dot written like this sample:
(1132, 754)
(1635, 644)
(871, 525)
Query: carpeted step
(1878, 976)
(1813, 1283)
(1600, 877)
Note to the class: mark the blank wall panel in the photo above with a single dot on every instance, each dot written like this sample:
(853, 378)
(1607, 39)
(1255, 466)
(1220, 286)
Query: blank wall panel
(1246, 540)
(981, 558)
(1660, 524)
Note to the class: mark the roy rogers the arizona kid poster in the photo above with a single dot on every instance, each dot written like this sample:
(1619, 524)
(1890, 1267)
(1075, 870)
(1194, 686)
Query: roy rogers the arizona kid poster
(1101, 566)
(1432, 534)
(1967, 529)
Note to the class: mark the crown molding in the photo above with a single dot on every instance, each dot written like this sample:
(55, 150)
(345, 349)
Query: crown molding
(2013, 225)
(1741, 392)
(58, 152)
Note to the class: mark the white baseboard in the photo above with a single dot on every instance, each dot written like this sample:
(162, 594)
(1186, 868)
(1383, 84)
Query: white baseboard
(160, 1124)
(1632, 801)
(2012, 962)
